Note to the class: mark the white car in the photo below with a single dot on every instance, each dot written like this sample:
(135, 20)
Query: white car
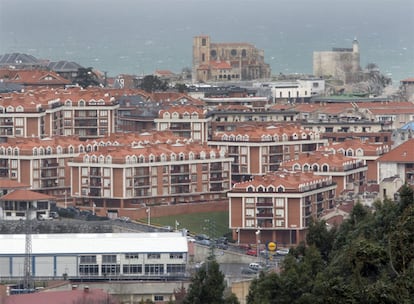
(282, 251)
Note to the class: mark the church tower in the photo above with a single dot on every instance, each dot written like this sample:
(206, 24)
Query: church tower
(201, 55)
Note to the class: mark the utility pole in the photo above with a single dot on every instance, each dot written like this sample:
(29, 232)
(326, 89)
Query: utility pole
(27, 284)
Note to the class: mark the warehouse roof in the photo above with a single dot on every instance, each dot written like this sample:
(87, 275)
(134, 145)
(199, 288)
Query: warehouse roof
(94, 243)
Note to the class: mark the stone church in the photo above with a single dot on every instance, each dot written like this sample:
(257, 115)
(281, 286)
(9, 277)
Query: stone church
(227, 61)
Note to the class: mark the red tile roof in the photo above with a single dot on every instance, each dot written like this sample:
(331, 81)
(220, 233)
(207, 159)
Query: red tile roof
(291, 181)
(220, 65)
(6, 183)
(404, 153)
(25, 195)
(36, 77)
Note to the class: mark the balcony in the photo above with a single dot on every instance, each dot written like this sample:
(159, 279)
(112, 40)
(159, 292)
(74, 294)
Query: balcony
(264, 204)
(179, 180)
(264, 214)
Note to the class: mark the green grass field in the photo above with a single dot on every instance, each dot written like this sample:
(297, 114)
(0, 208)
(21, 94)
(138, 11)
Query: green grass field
(214, 224)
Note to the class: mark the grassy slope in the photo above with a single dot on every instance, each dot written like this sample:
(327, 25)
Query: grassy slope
(214, 224)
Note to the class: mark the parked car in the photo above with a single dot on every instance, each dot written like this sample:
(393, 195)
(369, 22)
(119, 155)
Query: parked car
(252, 252)
(282, 251)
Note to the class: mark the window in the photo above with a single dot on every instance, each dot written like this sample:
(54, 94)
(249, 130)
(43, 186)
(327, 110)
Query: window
(87, 259)
(154, 256)
(154, 269)
(132, 268)
(175, 268)
(249, 200)
(109, 259)
(88, 269)
(131, 256)
(176, 255)
(110, 269)
(249, 212)
(280, 202)
(280, 212)
(158, 298)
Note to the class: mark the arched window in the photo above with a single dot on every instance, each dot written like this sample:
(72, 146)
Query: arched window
(181, 156)
(270, 189)
(260, 189)
(109, 159)
(325, 168)
(141, 159)
(280, 189)
(81, 103)
(250, 189)
(163, 157)
(34, 151)
(151, 158)
(315, 167)
(349, 152)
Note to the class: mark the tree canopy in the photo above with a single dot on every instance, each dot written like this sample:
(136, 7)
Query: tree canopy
(368, 259)
(207, 286)
(86, 77)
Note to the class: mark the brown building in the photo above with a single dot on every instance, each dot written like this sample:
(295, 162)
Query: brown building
(257, 149)
(88, 113)
(349, 173)
(278, 206)
(145, 174)
(227, 61)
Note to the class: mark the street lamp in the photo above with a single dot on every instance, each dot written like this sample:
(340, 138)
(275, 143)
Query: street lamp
(238, 236)
(66, 200)
(149, 215)
(257, 242)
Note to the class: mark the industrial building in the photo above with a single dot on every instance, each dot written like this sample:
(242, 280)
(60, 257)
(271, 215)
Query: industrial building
(95, 256)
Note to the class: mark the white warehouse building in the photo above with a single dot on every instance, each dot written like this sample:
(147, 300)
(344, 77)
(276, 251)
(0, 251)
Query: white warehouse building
(96, 256)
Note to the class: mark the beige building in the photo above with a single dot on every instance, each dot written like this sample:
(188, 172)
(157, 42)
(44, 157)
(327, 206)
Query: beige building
(340, 63)
(227, 61)
(185, 121)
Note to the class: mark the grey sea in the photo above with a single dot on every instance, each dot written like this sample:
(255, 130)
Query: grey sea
(141, 36)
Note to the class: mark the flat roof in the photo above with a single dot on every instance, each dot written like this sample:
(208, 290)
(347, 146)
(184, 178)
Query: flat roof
(94, 243)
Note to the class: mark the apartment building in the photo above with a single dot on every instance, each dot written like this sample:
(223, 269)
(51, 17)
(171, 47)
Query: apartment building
(185, 121)
(89, 113)
(367, 151)
(144, 174)
(348, 173)
(278, 206)
(257, 149)
(41, 163)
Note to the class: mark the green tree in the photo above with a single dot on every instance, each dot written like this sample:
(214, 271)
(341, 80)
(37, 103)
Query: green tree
(207, 285)
(86, 77)
(321, 237)
(151, 83)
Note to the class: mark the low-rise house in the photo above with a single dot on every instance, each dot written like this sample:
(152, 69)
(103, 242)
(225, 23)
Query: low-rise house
(21, 204)
(398, 162)
(278, 207)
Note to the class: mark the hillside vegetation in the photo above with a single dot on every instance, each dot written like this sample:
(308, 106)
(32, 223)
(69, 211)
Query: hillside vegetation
(368, 259)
